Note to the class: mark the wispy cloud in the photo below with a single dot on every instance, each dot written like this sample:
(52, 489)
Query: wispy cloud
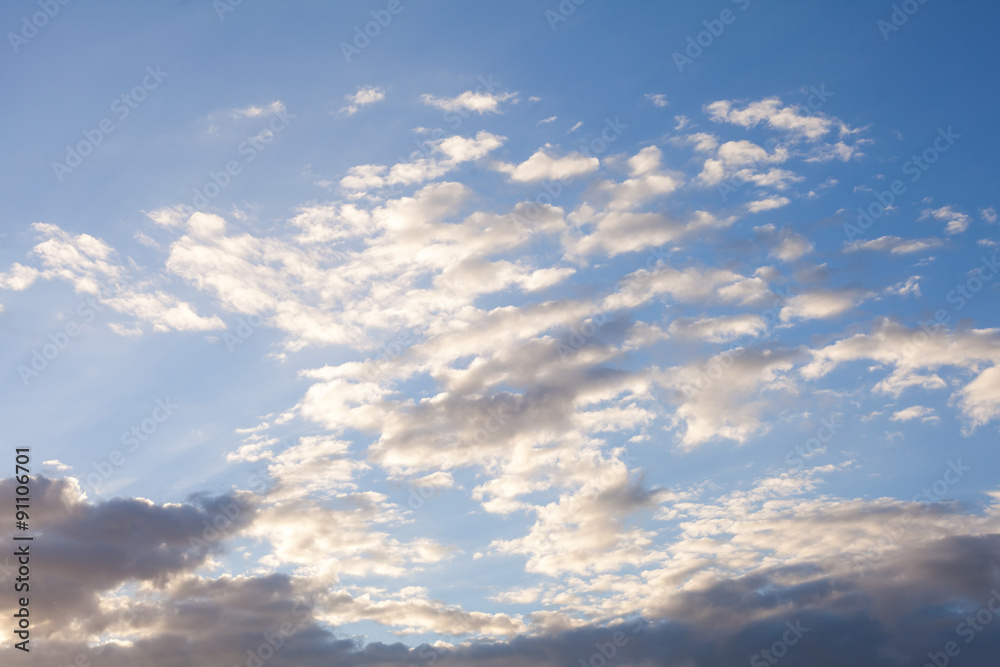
(273, 108)
(659, 100)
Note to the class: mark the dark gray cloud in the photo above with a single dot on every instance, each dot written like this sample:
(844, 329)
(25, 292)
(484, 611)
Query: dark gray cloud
(83, 549)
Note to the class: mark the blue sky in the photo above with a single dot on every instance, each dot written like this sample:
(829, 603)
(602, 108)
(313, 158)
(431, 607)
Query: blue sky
(513, 324)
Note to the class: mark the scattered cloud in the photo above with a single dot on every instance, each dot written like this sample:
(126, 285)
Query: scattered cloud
(276, 107)
(475, 101)
(956, 222)
(788, 118)
(659, 100)
(364, 96)
(768, 204)
(920, 412)
(894, 245)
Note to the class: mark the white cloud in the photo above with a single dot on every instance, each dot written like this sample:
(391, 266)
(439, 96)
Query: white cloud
(819, 305)
(768, 204)
(917, 358)
(686, 285)
(792, 247)
(476, 101)
(910, 286)
(412, 612)
(163, 311)
(171, 216)
(980, 399)
(18, 277)
(646, 181)
(725, 396)
(894, 245)
(364, 96)
(82, 260)
(546, 164)
(920, 412)
(518, 596)
(838, 151)
(446, 154)
(465, 149)
(341, 539)
(743, 161)
(793, 119)
(587, 531)
(956, 222)
(721, 329)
